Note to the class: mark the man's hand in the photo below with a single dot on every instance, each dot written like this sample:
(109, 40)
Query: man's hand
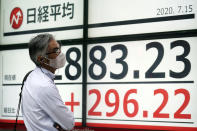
(58, 127)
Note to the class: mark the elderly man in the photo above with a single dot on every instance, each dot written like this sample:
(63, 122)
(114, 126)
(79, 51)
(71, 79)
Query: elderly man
(42, 105)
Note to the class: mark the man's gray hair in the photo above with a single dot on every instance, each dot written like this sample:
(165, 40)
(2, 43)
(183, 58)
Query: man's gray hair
(38, 46)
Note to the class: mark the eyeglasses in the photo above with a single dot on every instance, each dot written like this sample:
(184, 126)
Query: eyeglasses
(55, 50)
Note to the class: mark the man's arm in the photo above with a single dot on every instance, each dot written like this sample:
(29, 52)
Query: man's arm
(51, 102)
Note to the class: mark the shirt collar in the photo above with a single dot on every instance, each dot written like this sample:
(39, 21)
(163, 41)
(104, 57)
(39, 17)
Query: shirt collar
(48, 73)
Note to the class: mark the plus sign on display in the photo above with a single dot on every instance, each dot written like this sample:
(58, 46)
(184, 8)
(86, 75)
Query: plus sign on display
(72, 103)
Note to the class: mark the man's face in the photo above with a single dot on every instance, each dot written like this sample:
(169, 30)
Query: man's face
(53, 49)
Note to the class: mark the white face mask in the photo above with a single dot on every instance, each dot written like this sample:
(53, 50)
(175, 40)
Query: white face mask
(58, 62)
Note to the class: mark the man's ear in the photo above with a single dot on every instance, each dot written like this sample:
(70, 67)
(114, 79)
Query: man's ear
(43, 60)
(39, 59)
